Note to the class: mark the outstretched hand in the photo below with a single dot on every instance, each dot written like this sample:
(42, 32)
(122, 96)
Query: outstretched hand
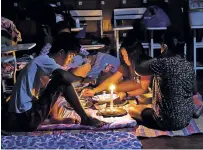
(88, 92)
(122, 95)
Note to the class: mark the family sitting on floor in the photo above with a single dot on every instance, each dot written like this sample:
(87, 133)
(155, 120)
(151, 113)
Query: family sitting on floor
(173, 80)
(173, 86)
(170, 77)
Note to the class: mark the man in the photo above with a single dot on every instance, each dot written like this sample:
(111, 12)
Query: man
(26, 109)
(61, 27)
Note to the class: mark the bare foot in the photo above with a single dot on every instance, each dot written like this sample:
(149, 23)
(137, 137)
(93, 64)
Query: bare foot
(93, 122)
(45, 122)
(63, 121)
(60, 121)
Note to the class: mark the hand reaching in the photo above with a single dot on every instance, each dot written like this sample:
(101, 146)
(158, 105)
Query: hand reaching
(88, 92)
(122, 95)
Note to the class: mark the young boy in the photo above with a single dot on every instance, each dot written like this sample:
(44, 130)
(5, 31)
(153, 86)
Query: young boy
(26, 109)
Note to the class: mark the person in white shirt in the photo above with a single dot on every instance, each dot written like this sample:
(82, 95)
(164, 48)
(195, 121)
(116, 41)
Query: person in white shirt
(27, 109)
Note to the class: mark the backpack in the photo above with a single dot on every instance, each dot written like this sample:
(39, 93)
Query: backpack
(155, 17)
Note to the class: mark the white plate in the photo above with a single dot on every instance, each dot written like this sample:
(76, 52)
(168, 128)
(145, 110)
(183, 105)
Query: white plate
(104, 97)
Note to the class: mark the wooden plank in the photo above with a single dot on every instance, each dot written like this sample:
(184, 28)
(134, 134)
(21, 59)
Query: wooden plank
(128, 17)
(156, 28)
(197, 27)
(88, 18)
(86, 13)
(18, 47)
(123, 28)
(128, 11)
(76, 29)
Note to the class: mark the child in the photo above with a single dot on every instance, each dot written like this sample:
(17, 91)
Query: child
(26, 109)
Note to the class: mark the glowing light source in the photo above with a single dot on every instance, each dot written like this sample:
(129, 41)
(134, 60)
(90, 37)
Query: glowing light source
(112, 88)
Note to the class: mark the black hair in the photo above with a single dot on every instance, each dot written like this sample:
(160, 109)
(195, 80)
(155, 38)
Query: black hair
(136, 52)
(173, 48)
(136, 55)
(62, 25)
(65, 41)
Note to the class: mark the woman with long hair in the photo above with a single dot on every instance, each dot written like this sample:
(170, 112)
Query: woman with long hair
(128, 83)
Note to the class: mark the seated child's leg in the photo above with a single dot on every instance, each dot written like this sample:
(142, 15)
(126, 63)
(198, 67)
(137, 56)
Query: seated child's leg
(31, 119)
(135, 111)
(144, 101)
(55, 113)
(145, 115)
(49, 97)
(72, 98)
(62, 113)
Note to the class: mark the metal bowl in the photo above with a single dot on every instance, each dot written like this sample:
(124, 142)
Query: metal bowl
(114, 112)
(102, 105)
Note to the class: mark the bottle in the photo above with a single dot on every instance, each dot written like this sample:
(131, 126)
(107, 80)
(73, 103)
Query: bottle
(77, 23)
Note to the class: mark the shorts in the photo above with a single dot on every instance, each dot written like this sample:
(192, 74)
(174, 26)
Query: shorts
(26, 121)
(30, 119)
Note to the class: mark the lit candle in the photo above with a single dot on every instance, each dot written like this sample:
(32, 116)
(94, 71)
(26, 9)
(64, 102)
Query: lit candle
(112, 88)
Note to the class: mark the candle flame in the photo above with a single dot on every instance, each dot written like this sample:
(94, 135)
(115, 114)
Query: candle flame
(112, 87)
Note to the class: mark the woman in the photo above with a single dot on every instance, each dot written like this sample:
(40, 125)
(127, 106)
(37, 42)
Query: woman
(132, 84)
(172, 103)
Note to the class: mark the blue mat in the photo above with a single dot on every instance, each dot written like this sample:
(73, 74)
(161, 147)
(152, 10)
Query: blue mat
(82, 140)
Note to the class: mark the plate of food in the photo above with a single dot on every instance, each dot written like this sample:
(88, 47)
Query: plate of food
(104, 98)
(85, 103)
(114, 112)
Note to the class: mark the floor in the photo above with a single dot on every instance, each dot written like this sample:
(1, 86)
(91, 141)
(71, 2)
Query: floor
(189, 142)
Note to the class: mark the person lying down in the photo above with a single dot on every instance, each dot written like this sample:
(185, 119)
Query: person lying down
(26, 109)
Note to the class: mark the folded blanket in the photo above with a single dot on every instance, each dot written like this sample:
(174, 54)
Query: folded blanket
(112, 122)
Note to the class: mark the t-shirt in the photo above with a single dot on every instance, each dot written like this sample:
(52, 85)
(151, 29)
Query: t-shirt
(27, 85)
(173, 91)
(102, 61)
(77, 61)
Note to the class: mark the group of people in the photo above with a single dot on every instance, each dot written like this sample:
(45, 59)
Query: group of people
(170, 77)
